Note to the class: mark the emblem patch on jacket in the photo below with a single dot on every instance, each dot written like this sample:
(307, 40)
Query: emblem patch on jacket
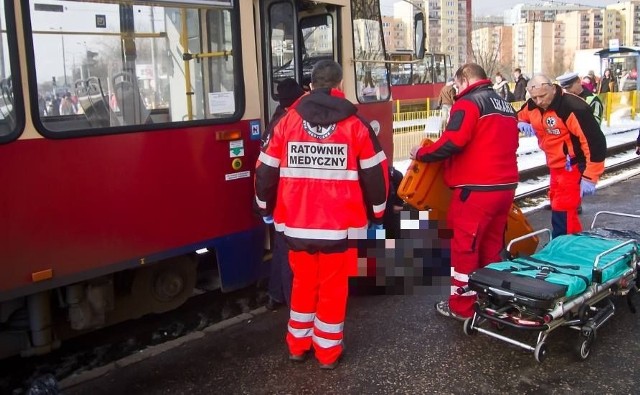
(318, 131)
(551, 126)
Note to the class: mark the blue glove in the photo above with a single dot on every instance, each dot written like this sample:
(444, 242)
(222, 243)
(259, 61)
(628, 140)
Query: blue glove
(268, 219)
(587, 188)
(526, 129)
(376, 226)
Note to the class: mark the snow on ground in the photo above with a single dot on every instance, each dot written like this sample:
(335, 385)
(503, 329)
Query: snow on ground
(530, 155)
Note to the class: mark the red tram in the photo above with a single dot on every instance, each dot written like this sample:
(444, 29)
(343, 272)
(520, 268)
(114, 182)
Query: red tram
(419, 78)
(129, 132)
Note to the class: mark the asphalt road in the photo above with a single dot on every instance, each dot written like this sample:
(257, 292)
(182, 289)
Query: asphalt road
(397, 344)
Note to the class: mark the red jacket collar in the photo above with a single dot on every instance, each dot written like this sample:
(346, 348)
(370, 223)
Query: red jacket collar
(473, 86)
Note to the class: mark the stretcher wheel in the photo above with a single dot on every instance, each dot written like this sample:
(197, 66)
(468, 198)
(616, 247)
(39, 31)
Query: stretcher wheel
(584, 313)
(466, 327)
(583, 348)
(541, 351)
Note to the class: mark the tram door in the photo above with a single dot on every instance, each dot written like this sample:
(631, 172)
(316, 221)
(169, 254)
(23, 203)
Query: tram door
(296, 35)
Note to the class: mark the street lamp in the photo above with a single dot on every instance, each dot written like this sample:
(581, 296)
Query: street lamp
(64, 59)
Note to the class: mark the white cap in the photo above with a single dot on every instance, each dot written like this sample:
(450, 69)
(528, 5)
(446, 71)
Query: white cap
(567, 79)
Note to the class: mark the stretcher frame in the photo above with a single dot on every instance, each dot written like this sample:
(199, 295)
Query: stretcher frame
(585, 312)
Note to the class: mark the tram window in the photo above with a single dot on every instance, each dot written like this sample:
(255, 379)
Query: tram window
(110, 66)
(318, 40)
(371, 71)
(223, 77)
(429, 69)
(282, 39)
(8, 123)
(439, 68)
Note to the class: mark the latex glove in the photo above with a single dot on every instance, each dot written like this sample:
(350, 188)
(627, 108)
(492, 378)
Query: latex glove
(376, 226)
(526, 129)
(587, 188)
(268, 219)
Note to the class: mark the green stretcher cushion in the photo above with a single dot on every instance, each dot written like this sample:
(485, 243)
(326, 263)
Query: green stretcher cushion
(571, 259)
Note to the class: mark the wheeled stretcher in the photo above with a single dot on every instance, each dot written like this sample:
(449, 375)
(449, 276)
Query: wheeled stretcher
(569, 282)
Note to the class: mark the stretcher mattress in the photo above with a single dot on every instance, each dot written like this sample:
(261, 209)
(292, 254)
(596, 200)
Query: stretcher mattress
(564, 267)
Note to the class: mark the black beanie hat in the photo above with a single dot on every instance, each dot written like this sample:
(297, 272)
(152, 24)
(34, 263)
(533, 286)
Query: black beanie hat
(289, 91)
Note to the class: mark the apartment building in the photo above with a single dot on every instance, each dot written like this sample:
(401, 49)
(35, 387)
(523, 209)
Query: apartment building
(531, 50)
(493, 48)
(629, 20)
(577, 30)
(541, 12)
(448, 27)
(398, 28)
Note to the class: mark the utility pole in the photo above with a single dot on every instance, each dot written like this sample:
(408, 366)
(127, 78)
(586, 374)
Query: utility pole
(64, 61)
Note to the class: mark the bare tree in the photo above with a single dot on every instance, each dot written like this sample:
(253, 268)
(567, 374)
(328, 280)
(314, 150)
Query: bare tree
(488, 58)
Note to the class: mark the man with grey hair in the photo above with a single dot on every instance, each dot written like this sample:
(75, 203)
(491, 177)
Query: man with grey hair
(573, 143)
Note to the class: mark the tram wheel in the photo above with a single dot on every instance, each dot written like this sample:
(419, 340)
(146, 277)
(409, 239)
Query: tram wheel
(466, 327)
(541, 351)
(166, 285)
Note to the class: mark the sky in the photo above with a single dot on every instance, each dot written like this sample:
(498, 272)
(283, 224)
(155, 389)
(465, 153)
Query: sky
(497, 7)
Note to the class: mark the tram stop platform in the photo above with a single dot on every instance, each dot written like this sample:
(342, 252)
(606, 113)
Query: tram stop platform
(395, 344)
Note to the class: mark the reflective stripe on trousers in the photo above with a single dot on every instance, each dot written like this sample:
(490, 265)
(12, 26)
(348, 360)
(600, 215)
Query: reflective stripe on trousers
(320, 288)
(478, 225)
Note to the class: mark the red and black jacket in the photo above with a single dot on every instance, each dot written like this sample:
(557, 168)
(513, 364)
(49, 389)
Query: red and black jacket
(479, 143)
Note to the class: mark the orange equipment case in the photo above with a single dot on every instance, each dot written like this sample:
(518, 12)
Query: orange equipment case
(423, 188)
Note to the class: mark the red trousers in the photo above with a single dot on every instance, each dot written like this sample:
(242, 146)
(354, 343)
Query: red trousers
(318, 303)
(478, 221)
(564, 194)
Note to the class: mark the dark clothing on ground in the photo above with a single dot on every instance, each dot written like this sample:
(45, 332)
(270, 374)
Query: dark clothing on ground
(391, 218)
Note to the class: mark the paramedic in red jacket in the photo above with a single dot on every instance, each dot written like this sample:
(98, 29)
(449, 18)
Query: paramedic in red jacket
(323, 176)
(479, 147)
(573, 143)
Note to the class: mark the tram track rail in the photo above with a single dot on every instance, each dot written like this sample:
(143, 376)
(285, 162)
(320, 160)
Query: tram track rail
(543, 171)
